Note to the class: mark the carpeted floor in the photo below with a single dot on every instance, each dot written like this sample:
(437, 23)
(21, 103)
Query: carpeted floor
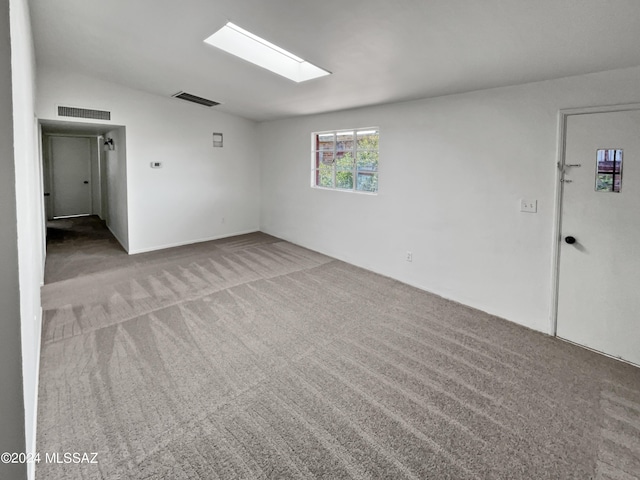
(252, 358)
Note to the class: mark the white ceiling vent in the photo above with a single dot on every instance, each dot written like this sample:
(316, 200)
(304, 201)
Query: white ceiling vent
(195, 99)
(83, 113)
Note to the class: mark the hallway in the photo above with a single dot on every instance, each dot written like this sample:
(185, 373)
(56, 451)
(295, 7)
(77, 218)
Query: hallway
(79, 246)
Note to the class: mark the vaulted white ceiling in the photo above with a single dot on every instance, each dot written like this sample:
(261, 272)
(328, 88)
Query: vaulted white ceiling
(379, 51)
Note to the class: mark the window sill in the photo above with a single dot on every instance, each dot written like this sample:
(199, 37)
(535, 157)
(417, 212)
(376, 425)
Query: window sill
(342, 190)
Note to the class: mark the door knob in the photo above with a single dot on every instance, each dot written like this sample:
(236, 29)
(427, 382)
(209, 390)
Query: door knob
(85, 182)
(570, 240)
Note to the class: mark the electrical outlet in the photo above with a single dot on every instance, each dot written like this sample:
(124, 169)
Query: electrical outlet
(409, 257)
(529, 206)
(222, 220)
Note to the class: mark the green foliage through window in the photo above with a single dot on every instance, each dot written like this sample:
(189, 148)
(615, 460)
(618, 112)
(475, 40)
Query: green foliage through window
(346, 160)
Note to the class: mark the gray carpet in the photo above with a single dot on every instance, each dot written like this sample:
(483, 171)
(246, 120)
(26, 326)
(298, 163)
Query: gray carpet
(252, 358)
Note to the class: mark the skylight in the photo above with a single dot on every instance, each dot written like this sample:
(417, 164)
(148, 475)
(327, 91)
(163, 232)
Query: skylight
(250, 47)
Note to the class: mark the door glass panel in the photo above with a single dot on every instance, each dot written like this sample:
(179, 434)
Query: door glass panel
(609, 170)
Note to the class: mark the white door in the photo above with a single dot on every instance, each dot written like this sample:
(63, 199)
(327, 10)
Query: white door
(599, 274)
(71, 174)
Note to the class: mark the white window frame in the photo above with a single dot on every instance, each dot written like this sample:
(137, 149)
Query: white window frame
(354, 152)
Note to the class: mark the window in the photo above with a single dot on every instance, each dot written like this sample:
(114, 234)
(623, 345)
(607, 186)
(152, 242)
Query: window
(346, 160)
(609, 170)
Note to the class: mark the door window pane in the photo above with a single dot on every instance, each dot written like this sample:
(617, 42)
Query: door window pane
(609, 170)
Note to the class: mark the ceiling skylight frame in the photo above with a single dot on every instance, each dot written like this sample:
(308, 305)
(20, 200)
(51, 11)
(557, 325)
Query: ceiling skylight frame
(252, 48)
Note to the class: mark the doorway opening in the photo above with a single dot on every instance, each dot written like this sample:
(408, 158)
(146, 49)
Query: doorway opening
(84, 174)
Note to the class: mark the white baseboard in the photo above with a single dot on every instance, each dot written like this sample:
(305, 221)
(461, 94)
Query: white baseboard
(425, 288)
(190, 242)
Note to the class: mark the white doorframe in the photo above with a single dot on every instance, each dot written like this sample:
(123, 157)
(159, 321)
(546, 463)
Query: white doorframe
(563, 115)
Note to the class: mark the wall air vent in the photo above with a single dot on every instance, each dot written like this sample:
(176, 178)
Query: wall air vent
(83, 113)
(195, 99)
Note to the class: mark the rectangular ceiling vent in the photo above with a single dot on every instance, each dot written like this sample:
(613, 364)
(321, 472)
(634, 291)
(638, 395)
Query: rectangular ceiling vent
(195, 99)
(83, 113)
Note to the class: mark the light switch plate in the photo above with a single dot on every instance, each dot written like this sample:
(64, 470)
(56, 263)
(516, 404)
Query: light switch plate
(529, 206)
(156, 164)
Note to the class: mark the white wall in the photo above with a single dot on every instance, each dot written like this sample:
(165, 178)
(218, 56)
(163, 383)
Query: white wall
(16, 394)
(29, 207)
(116, 171)
(452, 172)
(198, 186)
